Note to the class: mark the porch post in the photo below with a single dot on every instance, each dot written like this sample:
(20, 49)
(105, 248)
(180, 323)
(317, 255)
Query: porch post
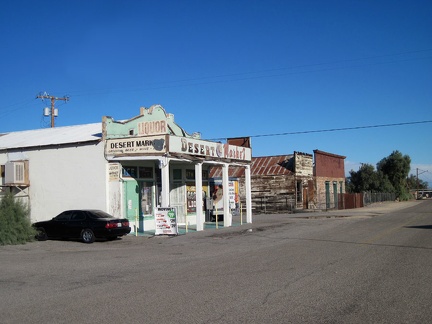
(165, 181)
(226, 204)
(248, 194)
(199, 197)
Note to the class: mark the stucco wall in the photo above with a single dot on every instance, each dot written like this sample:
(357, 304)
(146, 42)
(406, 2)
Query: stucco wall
(65, 178)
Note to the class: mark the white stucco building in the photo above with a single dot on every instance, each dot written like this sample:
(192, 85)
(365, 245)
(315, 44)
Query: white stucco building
(55, 169)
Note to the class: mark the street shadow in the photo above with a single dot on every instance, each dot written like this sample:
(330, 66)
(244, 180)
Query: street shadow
(420, 226)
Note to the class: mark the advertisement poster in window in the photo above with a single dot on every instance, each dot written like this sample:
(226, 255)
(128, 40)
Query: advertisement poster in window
(191, 197)
(166, 221)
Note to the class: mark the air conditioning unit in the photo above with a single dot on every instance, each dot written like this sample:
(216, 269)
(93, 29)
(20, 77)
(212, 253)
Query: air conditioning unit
(16, 173)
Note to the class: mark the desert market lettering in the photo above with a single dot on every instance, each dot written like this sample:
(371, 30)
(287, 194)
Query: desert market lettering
(130, 144)
(219, 150)
(153, 144)
(160, 144)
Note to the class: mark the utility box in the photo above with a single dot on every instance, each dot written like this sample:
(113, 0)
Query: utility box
(16, 173)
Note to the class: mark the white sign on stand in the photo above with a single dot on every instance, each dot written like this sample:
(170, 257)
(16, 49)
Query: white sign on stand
(166, 221)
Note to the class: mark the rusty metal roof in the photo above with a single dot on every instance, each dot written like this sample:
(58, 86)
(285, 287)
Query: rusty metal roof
(270, 165)
(260, 166)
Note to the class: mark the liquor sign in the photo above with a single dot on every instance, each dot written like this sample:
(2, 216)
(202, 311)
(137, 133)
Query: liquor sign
(166, 221)
(157, 127)
(114, 171)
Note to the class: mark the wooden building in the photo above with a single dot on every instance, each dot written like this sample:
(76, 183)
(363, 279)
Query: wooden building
(279, 183)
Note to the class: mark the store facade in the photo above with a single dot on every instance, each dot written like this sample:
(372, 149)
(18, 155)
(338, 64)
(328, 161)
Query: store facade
(153, 162)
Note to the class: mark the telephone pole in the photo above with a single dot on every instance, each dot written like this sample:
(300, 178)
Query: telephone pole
(423, 171)
(53, 100)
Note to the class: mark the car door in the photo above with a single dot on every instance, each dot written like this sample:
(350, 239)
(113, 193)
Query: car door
(60, 225)
(76, 223)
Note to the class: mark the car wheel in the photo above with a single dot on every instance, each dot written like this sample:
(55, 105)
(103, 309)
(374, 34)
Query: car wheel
(41, 234)
(87, 235)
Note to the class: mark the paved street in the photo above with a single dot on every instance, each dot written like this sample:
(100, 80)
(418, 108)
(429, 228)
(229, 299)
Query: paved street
(367, 265)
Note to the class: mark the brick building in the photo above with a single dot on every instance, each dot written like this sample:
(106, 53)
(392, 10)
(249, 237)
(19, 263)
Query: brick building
(329, 176)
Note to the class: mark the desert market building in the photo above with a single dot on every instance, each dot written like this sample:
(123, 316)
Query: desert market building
(127, 168)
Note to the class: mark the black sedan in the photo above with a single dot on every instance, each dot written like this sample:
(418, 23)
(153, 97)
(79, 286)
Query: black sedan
(86, 225)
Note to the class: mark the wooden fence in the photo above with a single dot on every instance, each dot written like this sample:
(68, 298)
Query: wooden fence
(287, 204)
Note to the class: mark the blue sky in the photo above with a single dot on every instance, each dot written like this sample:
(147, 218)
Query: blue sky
(231, 69)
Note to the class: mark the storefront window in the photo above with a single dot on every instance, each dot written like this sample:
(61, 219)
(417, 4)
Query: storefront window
(191, 197)
(190, 174)
(145, 172)
(205, 174)
(177, 174)
(129, 171)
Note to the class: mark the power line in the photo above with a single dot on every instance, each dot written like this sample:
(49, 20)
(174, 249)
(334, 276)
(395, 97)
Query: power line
(243, 76)
(260, 74)
(333, 129)
(7, 110)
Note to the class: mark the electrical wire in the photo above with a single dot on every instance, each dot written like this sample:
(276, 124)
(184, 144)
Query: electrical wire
(331, 130)
(259, 74)
(244, 76)
(19, 105)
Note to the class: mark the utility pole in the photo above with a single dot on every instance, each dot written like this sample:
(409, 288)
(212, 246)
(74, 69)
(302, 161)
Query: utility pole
(417, 180)
(53, 100)
(423, 171)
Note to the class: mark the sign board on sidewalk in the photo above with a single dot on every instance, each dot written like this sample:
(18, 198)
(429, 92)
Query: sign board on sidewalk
(166, 221)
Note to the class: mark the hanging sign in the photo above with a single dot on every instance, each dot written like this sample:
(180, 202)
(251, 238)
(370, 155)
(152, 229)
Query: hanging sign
(166, 221)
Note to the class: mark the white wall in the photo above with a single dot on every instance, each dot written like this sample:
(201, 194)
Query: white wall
(66, 178)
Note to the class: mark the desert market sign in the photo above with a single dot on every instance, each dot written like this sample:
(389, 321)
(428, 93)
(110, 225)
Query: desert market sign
(161, 144)
(136, 145)
(208, 149)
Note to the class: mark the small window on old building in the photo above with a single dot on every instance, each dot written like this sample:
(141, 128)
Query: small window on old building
(299, 191)
(2, 171)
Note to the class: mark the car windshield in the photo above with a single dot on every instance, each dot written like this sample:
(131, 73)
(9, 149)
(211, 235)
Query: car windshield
(99, 214)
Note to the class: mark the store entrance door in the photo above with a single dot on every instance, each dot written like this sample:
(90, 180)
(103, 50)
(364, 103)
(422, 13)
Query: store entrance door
(178, 201)
(131, 198)
(147, 198)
